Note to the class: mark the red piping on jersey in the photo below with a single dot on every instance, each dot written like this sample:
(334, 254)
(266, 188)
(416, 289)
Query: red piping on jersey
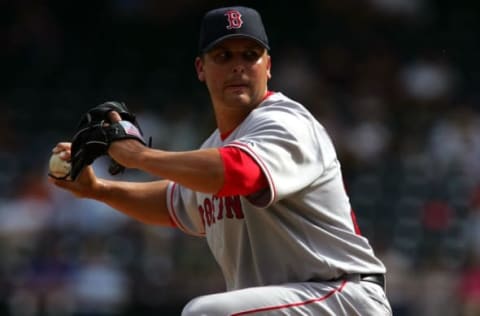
(224, 136)
(355, 223)
(310, 301)
(172, 222)
(172, 215)
(269, 93)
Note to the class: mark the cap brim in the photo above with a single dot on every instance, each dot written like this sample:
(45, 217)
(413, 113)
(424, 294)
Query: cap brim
(218, 40)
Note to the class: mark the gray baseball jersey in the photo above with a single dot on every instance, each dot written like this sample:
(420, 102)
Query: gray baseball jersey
(298, 229)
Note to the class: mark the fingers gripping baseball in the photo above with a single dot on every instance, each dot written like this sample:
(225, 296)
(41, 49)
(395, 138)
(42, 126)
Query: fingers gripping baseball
(85, 184)
(59, 166)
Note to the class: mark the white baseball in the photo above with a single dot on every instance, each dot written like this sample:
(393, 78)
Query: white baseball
(58, 167)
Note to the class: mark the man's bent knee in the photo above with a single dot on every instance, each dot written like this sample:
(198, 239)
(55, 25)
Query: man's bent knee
(205, 305)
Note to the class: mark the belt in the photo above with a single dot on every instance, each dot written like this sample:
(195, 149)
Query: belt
(377, 278)
(374, 278)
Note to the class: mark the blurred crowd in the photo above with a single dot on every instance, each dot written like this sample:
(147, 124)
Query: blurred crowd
(393, 81)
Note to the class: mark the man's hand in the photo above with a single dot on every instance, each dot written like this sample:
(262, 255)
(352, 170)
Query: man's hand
(86, 185)
(124, 151)
(97, 129)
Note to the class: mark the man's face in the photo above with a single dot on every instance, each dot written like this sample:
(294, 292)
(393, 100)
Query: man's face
(236, 72)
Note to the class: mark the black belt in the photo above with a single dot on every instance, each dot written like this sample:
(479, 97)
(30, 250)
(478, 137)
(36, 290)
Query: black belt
(374, 278)
(377, 278)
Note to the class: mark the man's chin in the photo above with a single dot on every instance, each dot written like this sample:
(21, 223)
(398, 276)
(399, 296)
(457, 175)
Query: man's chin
(238, 98)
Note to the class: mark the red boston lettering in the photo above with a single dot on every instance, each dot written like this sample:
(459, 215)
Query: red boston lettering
(229, 206)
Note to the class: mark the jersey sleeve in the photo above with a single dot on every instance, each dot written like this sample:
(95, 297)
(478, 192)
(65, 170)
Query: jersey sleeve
(243, 175)
(182, 207)
(291, 148)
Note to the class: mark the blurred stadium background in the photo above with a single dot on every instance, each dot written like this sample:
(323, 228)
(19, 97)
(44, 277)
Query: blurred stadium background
(394, 81)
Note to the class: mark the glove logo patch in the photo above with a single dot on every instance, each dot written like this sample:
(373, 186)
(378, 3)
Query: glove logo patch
(130, 129)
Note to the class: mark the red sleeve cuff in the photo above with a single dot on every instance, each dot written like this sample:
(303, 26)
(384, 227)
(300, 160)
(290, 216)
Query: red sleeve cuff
(243, 176)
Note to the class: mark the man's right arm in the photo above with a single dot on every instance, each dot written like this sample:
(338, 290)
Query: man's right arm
(144, 201)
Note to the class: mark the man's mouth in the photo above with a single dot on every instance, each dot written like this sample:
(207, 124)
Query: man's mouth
(236, 85)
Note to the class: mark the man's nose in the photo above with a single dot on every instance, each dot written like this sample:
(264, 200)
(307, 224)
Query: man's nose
(239, 67)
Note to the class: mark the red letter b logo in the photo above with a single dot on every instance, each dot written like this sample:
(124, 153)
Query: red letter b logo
(234, 19)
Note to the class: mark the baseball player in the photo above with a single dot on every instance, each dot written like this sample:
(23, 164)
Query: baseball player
(265, 189)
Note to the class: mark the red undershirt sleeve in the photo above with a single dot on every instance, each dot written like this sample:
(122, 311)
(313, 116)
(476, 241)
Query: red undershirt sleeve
(243, 176)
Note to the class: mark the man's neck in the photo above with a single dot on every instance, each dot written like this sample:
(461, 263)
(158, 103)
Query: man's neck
(229, 117)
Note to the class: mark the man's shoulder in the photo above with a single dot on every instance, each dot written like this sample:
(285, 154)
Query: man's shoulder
(277, 98)
(213, 140)
(280, 105)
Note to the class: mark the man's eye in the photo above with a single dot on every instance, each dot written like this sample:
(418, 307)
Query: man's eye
(222, 57)
(251, 55)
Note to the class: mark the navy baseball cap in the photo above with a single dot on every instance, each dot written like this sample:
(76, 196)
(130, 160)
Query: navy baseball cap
(223, 23)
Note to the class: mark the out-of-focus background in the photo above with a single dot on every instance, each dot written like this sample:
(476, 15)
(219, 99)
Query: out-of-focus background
(395, 82)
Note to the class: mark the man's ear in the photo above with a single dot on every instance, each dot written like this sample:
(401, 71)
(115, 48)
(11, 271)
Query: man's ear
(269, 67)
(199, 69)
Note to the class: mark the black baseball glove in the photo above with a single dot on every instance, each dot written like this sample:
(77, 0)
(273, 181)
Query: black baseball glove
(95, 133)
